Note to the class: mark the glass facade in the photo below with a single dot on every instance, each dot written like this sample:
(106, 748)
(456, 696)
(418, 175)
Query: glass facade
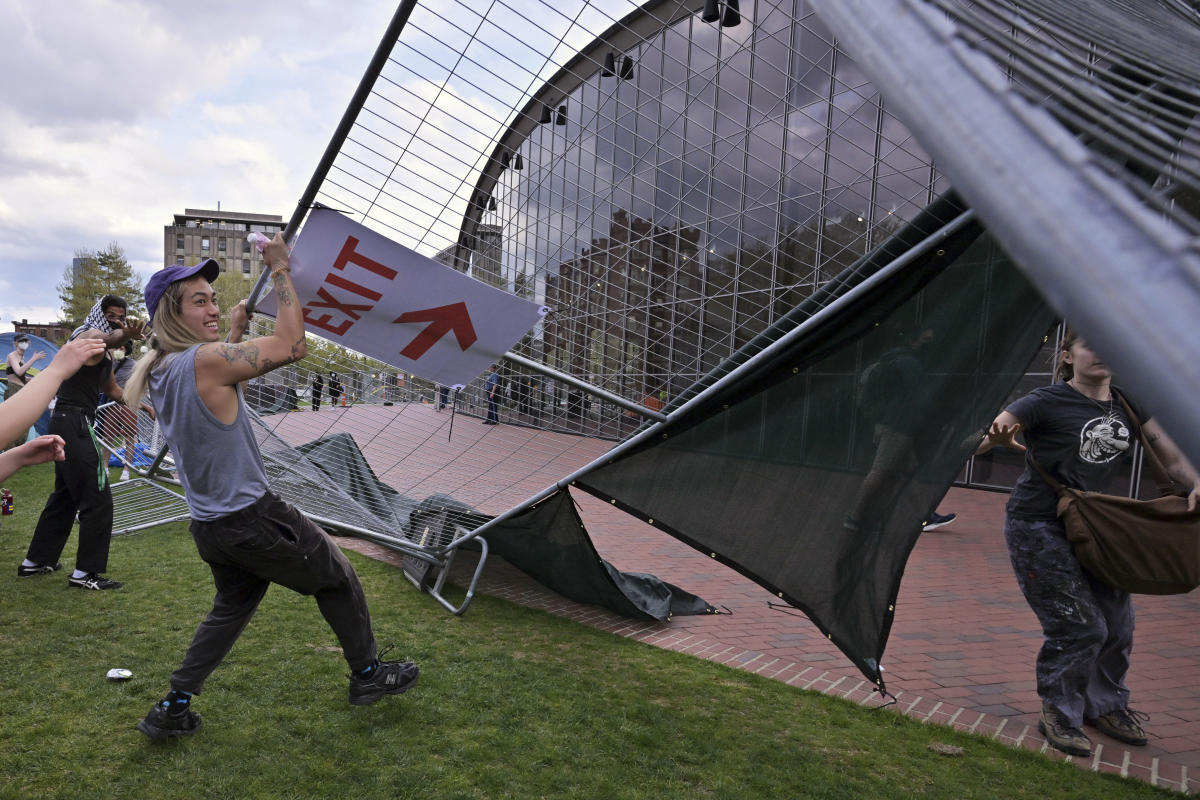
(669, 212)
(691, 198)
(667, 186)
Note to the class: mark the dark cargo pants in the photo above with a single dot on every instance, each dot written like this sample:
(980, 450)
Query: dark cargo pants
(1087, 626)
(271, 542)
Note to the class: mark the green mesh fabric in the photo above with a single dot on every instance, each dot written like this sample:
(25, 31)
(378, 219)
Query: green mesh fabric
(791, 477)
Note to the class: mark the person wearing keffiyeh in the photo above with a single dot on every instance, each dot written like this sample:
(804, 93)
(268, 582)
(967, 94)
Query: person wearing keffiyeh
(108, 317)
(81, 480)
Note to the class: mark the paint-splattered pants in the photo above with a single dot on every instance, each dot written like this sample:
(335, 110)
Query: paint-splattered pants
(1088, 626)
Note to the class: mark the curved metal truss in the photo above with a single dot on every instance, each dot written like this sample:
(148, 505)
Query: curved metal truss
(668, 185)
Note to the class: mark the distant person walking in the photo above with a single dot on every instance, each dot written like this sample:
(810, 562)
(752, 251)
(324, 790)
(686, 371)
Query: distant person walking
(336, 390)
(318, 386)
(492, 389)
(893, 394)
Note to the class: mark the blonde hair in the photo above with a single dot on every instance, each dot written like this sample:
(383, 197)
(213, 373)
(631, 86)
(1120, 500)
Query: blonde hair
(168, 335)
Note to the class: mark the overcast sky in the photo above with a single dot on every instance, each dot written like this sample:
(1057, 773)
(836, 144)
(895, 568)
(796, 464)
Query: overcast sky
(117, 114)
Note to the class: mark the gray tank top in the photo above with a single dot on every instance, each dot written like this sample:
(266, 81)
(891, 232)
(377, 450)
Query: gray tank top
(219, 465)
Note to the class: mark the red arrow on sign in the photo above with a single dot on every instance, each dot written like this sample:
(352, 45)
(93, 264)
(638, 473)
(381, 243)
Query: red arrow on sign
(442, 320)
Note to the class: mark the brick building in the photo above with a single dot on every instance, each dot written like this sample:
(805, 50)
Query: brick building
(197, 234)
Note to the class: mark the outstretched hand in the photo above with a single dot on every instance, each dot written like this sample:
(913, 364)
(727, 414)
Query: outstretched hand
(1005, 436)
(36, 357)
(41, 450)
(133, 328)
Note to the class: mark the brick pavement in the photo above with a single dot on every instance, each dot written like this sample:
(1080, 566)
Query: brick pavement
(962, 647)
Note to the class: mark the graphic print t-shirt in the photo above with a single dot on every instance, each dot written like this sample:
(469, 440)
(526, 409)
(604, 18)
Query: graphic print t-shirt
(1079, 441)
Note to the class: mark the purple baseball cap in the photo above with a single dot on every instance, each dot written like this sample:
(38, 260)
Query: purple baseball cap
(160, 280)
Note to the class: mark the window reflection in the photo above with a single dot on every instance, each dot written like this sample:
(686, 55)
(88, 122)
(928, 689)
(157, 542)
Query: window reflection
(682, 210)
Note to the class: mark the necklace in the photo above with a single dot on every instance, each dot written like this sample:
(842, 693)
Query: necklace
(1108, 412)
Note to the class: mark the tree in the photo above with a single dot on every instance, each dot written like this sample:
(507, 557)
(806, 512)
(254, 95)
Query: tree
(100, 272)
(231, 288)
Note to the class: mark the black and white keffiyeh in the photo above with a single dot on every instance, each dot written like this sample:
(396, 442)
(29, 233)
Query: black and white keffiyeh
(95, 319)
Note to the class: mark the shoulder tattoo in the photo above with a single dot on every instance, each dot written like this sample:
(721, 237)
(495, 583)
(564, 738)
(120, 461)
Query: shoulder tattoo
(234, 353)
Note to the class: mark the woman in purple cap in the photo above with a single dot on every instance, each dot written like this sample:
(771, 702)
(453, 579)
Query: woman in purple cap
(249, 537)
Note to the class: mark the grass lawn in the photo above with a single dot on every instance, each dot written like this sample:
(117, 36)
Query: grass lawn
(512, 702)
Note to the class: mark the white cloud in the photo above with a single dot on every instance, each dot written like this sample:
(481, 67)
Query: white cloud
(117, 115)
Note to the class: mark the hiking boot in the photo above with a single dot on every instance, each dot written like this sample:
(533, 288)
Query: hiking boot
(937, 520)
(389, 677)
(24, 571)
(94, 581)
(1061, 735)
(1124, 725)
(159, 724)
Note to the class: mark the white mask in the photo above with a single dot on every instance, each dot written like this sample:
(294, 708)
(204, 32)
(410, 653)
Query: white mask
(23, 346)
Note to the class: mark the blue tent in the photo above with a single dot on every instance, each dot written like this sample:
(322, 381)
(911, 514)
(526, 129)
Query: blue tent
(35, 343)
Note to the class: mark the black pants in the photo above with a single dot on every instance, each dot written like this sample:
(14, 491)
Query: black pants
(248, 550)
(76, 489)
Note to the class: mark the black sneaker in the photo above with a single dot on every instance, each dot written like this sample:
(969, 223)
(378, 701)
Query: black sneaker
(94, 581)
(159, 724)
(1124, 725)
(389, 677)
(24, 571)
(937, 520)
(1061, 736)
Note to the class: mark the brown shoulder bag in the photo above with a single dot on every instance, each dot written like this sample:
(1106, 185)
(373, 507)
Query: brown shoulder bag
(1139, 546)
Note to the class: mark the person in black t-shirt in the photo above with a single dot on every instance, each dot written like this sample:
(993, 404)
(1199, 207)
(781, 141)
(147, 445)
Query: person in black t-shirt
(81, 480)
(1078, 431)
(895, 397)
(336, 390)
(318, 386)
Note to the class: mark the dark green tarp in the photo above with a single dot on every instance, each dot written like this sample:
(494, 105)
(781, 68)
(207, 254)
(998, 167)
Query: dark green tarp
(782, 476)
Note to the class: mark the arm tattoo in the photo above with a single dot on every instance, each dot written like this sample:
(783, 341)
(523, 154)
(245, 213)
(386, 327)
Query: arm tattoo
(282, 289)
(239, 352)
